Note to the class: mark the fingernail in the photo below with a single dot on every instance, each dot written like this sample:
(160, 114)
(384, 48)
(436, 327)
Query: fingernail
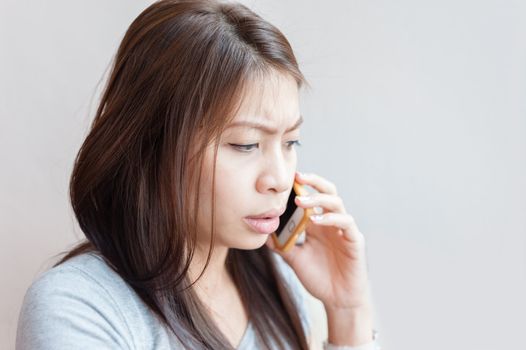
(318, 210)
(316, 217)
(304, 199)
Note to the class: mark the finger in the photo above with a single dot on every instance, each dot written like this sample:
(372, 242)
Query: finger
(317, 182)
(343, 221)
(329, 202)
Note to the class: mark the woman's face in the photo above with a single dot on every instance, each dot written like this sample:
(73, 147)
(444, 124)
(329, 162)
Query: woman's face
(255, 167)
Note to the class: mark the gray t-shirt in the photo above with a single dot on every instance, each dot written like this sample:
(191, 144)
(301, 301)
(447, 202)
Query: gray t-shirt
(84, 304)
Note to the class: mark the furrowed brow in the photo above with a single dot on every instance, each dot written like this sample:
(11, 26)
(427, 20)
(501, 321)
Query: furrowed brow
(265, 128)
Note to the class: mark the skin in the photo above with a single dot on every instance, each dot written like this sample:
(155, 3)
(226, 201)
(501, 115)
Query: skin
(331, 264)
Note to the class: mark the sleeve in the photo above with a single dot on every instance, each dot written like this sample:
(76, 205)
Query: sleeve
(369, 346)
(67, 309)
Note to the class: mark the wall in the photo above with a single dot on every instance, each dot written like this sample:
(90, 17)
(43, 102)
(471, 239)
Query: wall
(417, 112)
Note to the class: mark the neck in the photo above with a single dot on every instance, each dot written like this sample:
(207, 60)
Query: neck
(216, 277)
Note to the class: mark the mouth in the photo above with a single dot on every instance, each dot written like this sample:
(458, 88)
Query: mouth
(269, 214)
(267, 222)
(264, 225)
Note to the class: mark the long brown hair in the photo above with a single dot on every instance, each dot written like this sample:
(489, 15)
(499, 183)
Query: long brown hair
(176, 81)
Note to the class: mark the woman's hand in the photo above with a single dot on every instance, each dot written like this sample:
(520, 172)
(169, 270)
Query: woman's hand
(331, 263)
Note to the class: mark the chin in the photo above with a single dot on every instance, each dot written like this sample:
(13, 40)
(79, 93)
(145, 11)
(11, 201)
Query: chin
(256, 241)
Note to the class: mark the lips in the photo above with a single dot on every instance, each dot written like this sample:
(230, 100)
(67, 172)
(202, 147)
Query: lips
(266, 222)
(268, 214)
(264, 226)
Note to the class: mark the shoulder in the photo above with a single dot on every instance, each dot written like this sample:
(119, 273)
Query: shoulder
(81, 303)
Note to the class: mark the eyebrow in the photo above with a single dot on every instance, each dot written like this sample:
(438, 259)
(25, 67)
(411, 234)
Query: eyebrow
(265, 128)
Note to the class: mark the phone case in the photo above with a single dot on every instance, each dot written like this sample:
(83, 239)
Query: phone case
(295, 224)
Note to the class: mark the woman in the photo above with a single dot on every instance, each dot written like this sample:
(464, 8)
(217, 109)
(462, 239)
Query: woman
(163, 187)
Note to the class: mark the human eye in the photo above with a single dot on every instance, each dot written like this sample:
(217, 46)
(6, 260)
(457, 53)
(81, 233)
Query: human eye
(291, 144)
(244, 148)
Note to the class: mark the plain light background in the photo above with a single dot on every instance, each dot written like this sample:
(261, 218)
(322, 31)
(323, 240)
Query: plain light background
(417, 113)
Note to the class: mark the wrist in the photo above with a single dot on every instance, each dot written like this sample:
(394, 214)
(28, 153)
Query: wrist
(350, 326)
(373, 345)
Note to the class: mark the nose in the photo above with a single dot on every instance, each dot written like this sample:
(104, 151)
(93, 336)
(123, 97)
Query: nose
(277, 174)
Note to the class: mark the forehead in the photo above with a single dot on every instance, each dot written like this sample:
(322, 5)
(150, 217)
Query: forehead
(271, 100)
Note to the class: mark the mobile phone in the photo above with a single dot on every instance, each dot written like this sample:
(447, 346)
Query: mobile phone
(292, 222)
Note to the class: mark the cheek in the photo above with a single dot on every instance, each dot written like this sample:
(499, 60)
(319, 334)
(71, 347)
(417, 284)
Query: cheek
(233, 189)
(232, 186)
